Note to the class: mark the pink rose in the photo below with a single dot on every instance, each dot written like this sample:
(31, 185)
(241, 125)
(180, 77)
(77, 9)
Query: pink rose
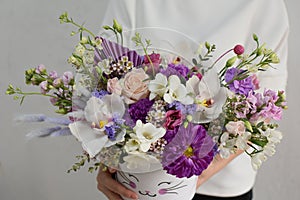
(135, 86)
(173, 119)
(113, 86)
(236, 128)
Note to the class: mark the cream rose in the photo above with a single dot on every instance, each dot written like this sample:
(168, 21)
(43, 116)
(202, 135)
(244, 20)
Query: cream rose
(113, 86)
(135, 86)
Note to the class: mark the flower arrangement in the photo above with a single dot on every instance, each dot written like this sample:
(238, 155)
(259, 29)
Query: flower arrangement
(139, 110)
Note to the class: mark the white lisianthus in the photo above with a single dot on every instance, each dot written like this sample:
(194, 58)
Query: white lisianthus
(146, 134)
(177, 91)
(158, 86)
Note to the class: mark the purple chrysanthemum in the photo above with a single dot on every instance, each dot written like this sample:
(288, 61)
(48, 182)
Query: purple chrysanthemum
(140, 109)
(170, 134)
(243, 86)
(189, 153)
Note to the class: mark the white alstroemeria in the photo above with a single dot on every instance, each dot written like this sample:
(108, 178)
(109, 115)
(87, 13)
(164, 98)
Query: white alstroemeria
(147, 133)
(98, 113)
(177, 91)
(139, 161)
(158, 86)
(257, 160)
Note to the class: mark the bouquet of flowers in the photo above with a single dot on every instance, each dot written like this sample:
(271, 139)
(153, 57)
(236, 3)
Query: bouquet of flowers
(144, 108)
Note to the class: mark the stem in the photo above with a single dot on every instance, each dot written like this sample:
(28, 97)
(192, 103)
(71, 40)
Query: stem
(84, 29)
(35, 93)
(218, 61)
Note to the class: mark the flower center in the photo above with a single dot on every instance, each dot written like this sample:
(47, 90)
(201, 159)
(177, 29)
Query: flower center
(189, 152)
(102, 123)
(148, 136)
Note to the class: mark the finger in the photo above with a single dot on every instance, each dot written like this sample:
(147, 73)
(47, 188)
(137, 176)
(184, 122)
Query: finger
(111, 170)
(109, 194)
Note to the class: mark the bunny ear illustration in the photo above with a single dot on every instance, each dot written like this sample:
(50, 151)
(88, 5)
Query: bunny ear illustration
(116, 52)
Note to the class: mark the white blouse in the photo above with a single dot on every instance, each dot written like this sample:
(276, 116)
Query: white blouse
(225, 24)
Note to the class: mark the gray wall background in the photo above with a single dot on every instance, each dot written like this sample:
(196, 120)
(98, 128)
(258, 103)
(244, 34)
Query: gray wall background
(30, 34)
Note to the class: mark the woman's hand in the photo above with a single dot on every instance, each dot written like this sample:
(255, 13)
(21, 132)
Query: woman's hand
(111, 188)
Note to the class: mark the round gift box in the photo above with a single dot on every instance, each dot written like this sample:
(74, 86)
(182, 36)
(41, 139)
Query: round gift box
(158, 185)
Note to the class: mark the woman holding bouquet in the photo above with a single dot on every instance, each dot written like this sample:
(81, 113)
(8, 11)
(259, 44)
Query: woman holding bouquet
(225, 23)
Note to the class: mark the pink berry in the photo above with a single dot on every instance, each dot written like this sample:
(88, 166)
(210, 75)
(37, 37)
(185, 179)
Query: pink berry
(238, 49)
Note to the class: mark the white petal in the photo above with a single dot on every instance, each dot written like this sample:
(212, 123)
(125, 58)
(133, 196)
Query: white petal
(94, 110)
(92, 140)
(192, 85)
(114, 104)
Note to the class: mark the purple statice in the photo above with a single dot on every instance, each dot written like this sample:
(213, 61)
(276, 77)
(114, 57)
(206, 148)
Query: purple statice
(111, 131)
(140, 109)
(243, 86)
(189, 153)
(117, 119)
(99, 94)
(128, 119)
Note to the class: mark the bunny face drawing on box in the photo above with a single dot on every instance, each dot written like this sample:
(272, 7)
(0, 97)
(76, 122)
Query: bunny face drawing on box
(156, 186)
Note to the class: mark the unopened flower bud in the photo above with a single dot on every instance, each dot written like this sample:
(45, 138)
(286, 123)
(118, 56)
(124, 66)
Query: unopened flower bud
(231, 61)
(84, 40)
(274, 58)
(238, 49)
(41, 69)
(255, 38)
(117, 26)
(248, 126)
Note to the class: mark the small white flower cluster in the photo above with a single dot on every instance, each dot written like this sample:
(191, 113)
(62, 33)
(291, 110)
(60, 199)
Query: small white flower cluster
(274, 137)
